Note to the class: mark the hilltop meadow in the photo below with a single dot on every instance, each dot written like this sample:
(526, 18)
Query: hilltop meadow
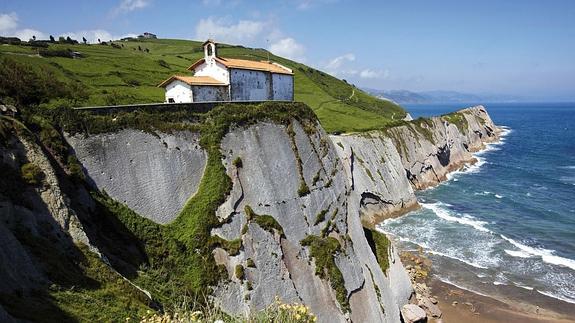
(127, 72)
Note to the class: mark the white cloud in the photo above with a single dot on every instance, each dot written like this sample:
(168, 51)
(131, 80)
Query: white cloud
(307, 4)
(8, 21)
(130, 5)
(93, 35)
(223, 30)
(250, 33)
(27, 33)
(337, 62)
(9, 27)
(289, 48)
(373, 74)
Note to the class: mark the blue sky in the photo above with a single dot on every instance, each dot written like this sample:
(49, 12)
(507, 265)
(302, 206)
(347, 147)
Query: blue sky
(516, 47)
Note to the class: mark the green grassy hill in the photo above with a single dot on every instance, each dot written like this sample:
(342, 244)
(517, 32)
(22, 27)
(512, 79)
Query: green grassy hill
(128, 75)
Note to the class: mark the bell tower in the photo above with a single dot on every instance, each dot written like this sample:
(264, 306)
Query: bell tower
(210, 50)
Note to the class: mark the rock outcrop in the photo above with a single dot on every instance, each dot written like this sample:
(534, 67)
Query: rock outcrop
(154, 174)
(297, 207)
(387, 166)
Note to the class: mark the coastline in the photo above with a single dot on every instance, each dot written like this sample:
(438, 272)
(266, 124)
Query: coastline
(457, 304)
(502, 303)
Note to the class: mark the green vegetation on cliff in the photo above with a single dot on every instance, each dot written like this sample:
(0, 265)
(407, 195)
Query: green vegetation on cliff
(177, 258)
(380, 245)
(107, 75)
(324, 250)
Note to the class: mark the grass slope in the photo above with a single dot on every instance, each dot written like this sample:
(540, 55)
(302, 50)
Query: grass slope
(128, 75)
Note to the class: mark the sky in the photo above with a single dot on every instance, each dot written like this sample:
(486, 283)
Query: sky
(523, 48)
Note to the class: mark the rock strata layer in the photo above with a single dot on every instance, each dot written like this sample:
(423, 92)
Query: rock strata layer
(386, 167)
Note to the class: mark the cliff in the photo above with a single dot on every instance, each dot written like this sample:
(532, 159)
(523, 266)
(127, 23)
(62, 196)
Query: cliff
(387, 166)
(256, 202)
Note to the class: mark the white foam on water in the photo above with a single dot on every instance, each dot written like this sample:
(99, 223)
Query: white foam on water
(523, 286)
(445, 214)
(547, 255)
(498, 196)
(567, 180)
(562, 298)
(430, 250)
(447, 281)
(518, 254)
(472, 264)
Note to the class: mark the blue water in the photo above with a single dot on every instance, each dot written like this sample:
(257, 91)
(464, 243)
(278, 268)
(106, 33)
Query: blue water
(509, 219)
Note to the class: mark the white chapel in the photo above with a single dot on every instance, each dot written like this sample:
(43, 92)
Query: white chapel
(226, 79)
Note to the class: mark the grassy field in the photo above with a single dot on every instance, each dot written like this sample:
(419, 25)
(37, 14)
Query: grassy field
(128, 75)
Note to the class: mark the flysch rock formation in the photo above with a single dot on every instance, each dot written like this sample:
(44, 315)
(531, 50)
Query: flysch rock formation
(351, 179)
(268, 182)
(381, 165)
(154, 174)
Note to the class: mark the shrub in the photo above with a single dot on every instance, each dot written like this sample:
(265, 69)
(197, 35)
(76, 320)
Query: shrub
(56, 53)
(303, 190)
(132, 82)
(379, 244)
(238, 162)
(32, 174)
(27, 86)
(75, 168)
(324, 250)
(239, 271)
(320, 217)
(250, 262)
(163, 63)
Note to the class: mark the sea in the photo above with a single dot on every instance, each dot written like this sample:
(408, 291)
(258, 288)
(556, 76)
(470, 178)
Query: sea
(508, 220)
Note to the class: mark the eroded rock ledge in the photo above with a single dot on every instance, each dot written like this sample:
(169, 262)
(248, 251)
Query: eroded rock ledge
(387, 166)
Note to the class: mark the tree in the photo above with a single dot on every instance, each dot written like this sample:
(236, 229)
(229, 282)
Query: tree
(34, 38)
(99, 40)
(52, 39)
(84, 40)
(61, 39)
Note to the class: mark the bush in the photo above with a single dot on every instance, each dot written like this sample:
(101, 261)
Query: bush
(28, 86)
(239, 271)
(32, 174)
(163, 63)
(56, 53)
(238, 162)
(303, 190)
(133, 82)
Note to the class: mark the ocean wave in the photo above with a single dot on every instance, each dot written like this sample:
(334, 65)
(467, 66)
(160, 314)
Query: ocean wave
(547, 255)
(447, 281)
(517, 254)
(562, 298)
(567, 180)
(472, 264)
(445, 214)
(522, 286)
(498, 196)
(430, 250)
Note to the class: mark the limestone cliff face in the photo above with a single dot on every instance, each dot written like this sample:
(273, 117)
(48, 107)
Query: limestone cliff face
(289, 183)
(153, 174)
(268, 182)
(382, 164)
(277, 161)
